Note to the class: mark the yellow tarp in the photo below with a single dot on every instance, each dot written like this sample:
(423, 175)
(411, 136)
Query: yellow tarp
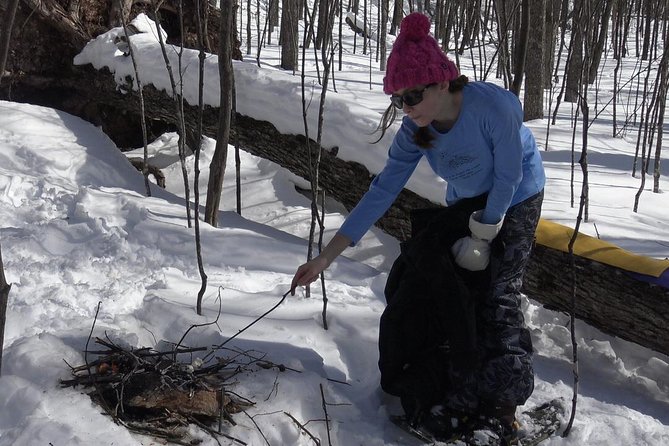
(557, 236)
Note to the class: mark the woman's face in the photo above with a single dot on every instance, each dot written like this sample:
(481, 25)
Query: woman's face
(425, 111)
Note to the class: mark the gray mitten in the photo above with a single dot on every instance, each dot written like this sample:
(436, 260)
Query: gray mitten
(473, 252)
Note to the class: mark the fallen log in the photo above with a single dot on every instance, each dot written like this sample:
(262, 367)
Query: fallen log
(606, 297)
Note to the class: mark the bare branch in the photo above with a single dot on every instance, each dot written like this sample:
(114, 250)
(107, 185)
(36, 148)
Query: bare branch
(301, 426)
(257, 427)
(325, 411)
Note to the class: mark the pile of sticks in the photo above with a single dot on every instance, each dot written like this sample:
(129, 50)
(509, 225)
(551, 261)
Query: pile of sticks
(158, 394)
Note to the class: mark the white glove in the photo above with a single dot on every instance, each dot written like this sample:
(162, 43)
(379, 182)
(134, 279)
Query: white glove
(473, 252)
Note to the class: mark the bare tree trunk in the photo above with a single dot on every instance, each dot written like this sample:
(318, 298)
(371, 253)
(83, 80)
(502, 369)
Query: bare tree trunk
(550, 28)
(198, 149)
(177, 97)
(289, 22)
(4, 298)
(182, 134)
(660, 127)
(534, 84)
(385, 4)
(654, 44)
(119, 11)
(311, 17)
(142, 115)
(601, 40)
(5, 38)
(321, 37)
(365, 36)
(339, 37)
(471, 11)
(521, 48)
(648, 129)
(272, 18)
(503, 59)
(648, 16)
(576, 60)
(248, 27)
(583, 161)
(618, 45)
(643, 132)
(626, 28)
(397, 17)
(617, 30)
(315, 161)
(664, 81)
(217, 166)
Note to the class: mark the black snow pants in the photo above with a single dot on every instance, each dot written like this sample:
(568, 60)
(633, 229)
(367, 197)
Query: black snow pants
(455, 337)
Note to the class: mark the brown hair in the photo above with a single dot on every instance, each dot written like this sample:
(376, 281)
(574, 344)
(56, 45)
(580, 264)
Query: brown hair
(422, 137)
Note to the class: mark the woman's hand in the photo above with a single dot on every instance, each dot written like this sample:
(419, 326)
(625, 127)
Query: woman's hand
(308, 272)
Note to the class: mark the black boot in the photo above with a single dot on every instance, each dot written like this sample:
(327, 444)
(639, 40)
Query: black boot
(503, 420)
(445, 424)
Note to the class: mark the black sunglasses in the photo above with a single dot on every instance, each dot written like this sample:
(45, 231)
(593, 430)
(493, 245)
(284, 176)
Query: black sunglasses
(409, 98)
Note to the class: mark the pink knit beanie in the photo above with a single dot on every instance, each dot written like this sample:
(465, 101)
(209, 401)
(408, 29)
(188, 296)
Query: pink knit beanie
(416, 58)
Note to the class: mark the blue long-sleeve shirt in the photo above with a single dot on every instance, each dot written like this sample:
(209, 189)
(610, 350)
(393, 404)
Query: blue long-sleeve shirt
(488, 150)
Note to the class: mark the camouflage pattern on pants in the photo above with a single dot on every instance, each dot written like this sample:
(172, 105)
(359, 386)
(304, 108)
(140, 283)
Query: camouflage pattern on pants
(506, 375)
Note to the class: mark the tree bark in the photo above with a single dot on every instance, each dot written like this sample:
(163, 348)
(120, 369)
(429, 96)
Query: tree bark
(272, 19)
(6, 34)
(607, 298)
(119, 11)
(601, 41)
(383, 53)
(503, 22)
(534, 82)
(289, 34)
(521, 48)
(60, 19)
(397, 17)
(226, 75)
(550, 29)
(575, 66)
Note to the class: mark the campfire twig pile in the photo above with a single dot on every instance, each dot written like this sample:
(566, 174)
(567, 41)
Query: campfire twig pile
(152, 392)
(157, 393)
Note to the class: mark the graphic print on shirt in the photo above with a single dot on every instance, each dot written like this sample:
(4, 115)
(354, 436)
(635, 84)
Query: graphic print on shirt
(460, 166)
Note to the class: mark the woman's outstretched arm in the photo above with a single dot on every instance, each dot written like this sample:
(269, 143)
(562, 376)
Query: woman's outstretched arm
(310, 271)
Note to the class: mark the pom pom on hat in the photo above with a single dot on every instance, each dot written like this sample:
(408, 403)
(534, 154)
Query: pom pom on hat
(415, 27)
(416, 58)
